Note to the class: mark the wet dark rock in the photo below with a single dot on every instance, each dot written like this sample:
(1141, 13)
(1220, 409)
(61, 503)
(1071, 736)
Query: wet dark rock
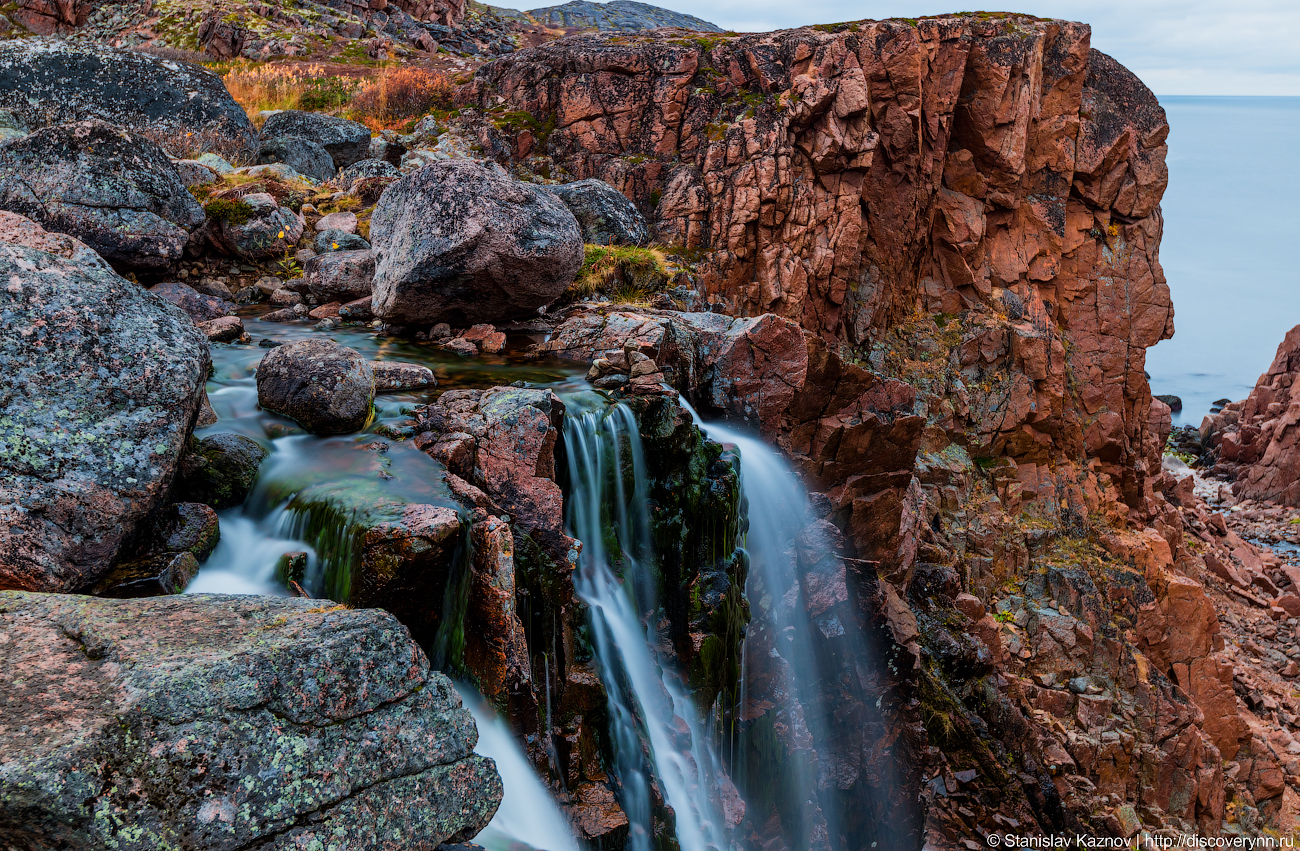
(1175, 404)
(201, 308)
(184, 527)
(99, 382)
(47, 83)
(302, 155)
(346, 141)
(224, 329)
(461, 242)
(357, 311)
(220, 469)
(340, 275)
(323, 386)
(607, 217)
(233, 722)
(338, 240)
(153, 576)
(115, 191)
(291, 567)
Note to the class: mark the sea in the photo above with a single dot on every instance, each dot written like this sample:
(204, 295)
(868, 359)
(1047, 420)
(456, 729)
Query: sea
(1231, 247)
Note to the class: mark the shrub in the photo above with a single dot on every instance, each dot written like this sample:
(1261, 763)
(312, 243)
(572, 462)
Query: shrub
(626, 273)
(228, 210)
(261, 87)
(402, 94)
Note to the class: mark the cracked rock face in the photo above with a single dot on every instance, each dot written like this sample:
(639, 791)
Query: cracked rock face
(46, 83)
(100, 382)
(221, 723)
(114, 190)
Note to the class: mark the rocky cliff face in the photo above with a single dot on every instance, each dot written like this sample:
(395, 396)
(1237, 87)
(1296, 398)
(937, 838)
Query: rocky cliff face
(851, 177)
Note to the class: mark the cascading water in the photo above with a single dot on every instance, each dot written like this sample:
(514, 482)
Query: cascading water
(777, 511)
(527, 817)
(645, 697)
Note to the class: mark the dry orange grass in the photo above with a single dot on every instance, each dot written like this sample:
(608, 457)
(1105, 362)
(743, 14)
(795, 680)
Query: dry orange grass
(263, 87)
(400, 95)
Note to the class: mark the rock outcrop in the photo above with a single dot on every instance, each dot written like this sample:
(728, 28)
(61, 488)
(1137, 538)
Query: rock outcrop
(461, 242)
(618, 16)
(114, 190)
(58, 82)
(100, 383)
(848, 179)
(607, 217)
(229, 723)
(1257, 440)
(345, 141)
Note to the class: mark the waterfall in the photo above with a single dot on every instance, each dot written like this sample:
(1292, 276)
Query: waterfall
(777, 503)
(648, 705)
(527, 817)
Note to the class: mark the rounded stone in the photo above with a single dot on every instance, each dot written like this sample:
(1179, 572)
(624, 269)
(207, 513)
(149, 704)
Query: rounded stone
(220, 470)
(323, 386)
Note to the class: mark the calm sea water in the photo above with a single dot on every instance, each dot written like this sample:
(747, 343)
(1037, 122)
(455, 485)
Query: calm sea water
(1232, 231)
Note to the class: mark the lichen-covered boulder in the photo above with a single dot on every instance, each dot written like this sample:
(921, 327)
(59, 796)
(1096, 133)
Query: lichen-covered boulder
(606, 215)
(323, 386)
(114, 190)
(366, 170)
(340, 275)
(334, 239)
(228, 723)
(200, 307)
(265, 229)
(99, 384)
(346, 141)
(462, 242)
(21, 230)
(57, 82)
(302, 155)
(220, 469)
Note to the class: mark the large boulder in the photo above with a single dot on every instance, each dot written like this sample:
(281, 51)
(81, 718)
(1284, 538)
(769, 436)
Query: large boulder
(229, 723)
(340, 275)
(47, 83)
(346, 141)
(302, 155)
(606, 215)
(114, 190)
(99, 384)
(325, 387)
(461, 242)
(21, 230)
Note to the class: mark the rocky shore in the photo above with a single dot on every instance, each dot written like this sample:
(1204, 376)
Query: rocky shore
(919, 259)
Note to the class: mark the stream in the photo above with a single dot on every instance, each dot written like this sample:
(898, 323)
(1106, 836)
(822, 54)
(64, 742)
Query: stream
(665, 749)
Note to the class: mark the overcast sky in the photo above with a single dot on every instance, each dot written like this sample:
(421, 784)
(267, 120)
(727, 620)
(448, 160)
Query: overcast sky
(1177, 47)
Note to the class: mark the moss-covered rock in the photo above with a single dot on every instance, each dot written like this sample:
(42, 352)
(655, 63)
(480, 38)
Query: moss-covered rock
(220, 469)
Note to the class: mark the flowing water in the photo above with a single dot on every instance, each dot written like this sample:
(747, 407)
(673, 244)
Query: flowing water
(646, 698)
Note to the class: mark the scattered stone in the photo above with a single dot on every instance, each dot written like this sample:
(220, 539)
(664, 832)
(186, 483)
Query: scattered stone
(323, 386)
(325, 311)
(286, 314)
(340, 275)
(460, 346)
(223, 329)
(302, 155)
(270, 229)
(357, 311)
(201, 308)
(338, 240)
(194, 173)
(343, 221)
(394, 375)
(286, 297)
(461, 241)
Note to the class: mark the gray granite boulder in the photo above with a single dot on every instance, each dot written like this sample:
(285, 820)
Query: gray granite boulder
(346, 141)
(229, 723)
(100, 382)
(302, 155)
(618, 16)
(323, 386)
(606, 216)
(338, 240)
(340, 275)
(462, 242)
(114, 190)
(269, 230)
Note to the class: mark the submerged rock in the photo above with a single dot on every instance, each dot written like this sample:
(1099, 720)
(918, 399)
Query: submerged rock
(326, 388)
(461, 242)
(220, 469)
(113, 190)
(99, 384)
(230, 722)
(394, 375)
(44, 83)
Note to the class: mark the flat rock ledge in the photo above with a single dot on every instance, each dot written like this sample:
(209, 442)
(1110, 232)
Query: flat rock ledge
(220, 722)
